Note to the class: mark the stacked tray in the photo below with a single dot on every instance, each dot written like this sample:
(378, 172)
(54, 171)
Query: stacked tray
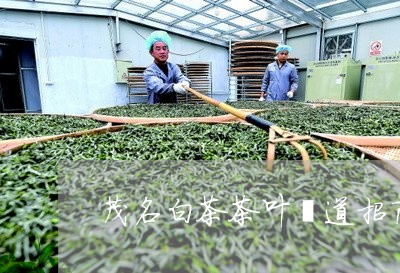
(199, 74)
(294, 61)
(182, 68)
(249, 87)
(135, 77)
(135, 84)
(251, 57)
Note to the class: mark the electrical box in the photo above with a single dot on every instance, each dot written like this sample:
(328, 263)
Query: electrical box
(121, 71)
(382, 79)
(337, 79)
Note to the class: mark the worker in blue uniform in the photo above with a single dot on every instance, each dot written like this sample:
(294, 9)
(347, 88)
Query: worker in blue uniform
(163, 79)
(280, 80)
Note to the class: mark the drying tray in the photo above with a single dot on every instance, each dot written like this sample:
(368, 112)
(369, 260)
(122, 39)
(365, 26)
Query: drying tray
(386, 149)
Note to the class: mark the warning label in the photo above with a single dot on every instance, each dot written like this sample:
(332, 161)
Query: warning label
(375, 48)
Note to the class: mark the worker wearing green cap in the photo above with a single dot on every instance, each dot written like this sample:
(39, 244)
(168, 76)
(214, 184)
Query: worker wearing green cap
(163, 79)
(280, 80)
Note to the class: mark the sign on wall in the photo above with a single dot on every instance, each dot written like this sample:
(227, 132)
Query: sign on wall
(121, 71)
(375, 48)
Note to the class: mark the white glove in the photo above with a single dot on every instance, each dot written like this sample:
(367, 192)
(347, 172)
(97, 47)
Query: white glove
(290, 94)
(178, 88)
(185, 83)
(261, 99)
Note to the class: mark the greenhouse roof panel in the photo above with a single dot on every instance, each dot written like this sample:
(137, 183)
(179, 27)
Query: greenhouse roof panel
(70, 2)
(335, 10)
(177, 10)
(95, 3)
(215, 21)
(132, 9)
(161, 17)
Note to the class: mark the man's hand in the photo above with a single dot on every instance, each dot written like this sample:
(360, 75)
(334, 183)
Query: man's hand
(290, 94)
(178, 88)
(185, 84)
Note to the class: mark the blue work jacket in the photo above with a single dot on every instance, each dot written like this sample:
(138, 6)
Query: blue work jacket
(159, 86)
(277, 82)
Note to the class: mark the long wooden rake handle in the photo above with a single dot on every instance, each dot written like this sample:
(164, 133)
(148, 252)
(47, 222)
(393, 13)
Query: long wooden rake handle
(250, 118)
(266, 125)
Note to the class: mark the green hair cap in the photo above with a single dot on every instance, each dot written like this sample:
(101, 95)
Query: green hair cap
(158, 36)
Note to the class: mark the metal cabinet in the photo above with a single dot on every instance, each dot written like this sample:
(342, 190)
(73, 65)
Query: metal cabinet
(337, 79)
(382, 79)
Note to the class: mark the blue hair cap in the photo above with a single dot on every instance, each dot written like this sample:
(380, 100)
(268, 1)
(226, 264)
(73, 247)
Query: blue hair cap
(280, 48)
(158, 36)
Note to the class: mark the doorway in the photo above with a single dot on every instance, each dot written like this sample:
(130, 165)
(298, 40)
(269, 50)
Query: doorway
(19, 86)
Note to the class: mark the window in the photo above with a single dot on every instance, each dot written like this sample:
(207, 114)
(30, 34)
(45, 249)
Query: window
(338, 46)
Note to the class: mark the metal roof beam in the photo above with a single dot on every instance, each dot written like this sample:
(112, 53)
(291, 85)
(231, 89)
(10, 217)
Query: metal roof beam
(210, 25)
(193, 12)
(274, 10)
(54, 7)
(308, 4)
(116, 3)
(200, 26)
(152, 10)
(359, 5)
(296, 11)
(254, 33)
(260, 34)
(177, 19)
(225, 21)
(80, 10)
(266, 32)
(250, 11)
(364, 18)
(202, 12)
(245, 15)
(158, 24)
(330, 4)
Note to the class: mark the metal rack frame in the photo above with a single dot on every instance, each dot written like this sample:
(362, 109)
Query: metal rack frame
(136, 87)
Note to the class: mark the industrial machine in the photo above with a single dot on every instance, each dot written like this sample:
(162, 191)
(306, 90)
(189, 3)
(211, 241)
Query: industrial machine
(382, 79)
(336, 79)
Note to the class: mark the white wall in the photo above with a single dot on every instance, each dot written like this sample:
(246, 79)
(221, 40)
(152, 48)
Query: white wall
(385, 31)
(75, 58)
(81, 65)
(303, 40)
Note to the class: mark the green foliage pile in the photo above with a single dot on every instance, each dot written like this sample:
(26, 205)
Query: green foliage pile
(189, 110)
(29, 190)
(360, 121)
(22, 126)
(268, 105)
(161, 110)
(260, 245)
